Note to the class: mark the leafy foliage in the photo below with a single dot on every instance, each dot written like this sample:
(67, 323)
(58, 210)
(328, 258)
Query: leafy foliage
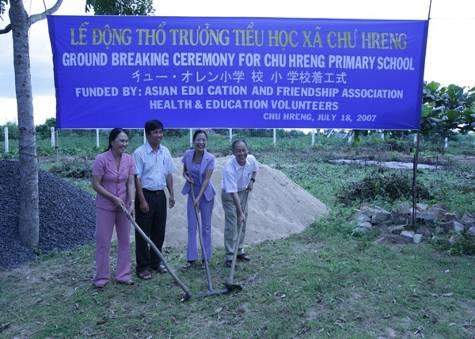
(44, 130)
(120, 7)
(3, 6)
(77, 168)
(447, 110)
(386, 184)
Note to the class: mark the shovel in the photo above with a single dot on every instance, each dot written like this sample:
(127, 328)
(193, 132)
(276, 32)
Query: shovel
(210, 290)
(229, 283)
(187, 295)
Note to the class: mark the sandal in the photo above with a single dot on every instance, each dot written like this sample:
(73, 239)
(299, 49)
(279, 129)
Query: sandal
(129, 282)
(145, 275)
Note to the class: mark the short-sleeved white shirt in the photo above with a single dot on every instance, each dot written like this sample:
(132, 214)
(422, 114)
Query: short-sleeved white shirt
(236, 178)
(153, 167)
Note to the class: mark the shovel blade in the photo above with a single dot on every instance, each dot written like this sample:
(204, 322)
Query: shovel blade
(233, 287)
(212, 293)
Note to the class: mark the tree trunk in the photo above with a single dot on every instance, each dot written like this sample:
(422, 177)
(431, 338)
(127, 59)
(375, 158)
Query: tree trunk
(29, 210)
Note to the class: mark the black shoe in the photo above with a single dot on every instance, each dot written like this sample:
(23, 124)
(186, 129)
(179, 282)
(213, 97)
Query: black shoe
(243, 257)
(161, 268)
(228, 263)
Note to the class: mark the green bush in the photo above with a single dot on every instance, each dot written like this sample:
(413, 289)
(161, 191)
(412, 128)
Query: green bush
(44, 130)
(73, 169)
(382, 183)
(13, 132)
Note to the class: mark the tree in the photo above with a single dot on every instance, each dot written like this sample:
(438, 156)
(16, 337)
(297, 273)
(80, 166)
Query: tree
(20, 23)
(120, 7)
(447, 110)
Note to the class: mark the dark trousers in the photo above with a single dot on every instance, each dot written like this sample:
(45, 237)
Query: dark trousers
(153, 224)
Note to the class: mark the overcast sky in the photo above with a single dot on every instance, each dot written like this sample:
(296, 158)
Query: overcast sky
(449, 58)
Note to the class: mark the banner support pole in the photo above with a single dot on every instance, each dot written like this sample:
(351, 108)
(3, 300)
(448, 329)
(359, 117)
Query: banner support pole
(416, 159)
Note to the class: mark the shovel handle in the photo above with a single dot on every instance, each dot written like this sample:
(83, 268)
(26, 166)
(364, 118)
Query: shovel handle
(200, 237)
(236, 248)
(160, 255)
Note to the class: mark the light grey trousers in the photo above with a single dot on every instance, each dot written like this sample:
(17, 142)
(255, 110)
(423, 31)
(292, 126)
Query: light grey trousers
(231, 226)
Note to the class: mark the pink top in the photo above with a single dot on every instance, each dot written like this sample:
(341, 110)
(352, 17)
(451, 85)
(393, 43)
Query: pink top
(113, 180)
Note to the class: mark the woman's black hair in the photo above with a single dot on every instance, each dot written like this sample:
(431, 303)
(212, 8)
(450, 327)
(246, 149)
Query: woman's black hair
(113, 135)
(198, 131)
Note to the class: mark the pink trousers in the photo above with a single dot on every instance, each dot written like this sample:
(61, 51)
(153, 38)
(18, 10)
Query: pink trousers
(105, 222)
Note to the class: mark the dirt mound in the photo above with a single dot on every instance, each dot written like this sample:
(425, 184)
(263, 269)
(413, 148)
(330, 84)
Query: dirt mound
(67, 216)
(277, 208)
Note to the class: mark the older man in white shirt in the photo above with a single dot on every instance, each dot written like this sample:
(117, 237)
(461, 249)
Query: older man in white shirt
(239, 175)
(155, 169)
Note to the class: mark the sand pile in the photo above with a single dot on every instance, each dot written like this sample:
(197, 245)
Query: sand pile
(277, 208)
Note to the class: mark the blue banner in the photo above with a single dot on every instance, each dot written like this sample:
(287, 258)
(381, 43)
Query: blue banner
(119, 71)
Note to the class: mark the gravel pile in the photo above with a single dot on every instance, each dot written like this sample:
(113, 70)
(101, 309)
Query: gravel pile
(67, 216)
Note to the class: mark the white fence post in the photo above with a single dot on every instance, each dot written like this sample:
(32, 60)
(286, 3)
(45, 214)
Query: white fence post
(7, 146)
(446, 143)
(382, 135)
(97, 137)
(274, 136)
(230, 135)
(191, 137)
(313, 137)
(350, 137)
(144, 136)
(53, 137)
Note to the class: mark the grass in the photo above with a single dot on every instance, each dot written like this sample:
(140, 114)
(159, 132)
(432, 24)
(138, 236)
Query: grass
(316, 283)
(322, 282)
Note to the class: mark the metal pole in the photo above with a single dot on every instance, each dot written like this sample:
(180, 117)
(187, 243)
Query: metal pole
(274, 136)
(97, 137)
(53, 138)
(350, 137)
(230, 135)
(416, 159)
(6, 145)
(57, 145)
(414, 189)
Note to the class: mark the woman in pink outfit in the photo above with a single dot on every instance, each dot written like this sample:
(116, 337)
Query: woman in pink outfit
(113, 180)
